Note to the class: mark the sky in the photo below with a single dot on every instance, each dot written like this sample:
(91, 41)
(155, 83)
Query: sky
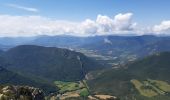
(84, 17)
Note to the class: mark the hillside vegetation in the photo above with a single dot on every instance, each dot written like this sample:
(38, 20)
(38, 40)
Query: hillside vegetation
(48, 63)
(121, 84)
(9, 77)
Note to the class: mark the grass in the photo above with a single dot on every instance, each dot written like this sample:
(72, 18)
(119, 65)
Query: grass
(150, 88)
(159, 91)
(143, 91)
(161, 84)
(68, 86)
(85, 85)
(76, 87)
(84, 92)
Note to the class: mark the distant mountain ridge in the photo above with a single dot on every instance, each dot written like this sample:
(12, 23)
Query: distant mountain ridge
(119, 46)
(1, 51)
(109, 50)
(156, 66)
(49, 63)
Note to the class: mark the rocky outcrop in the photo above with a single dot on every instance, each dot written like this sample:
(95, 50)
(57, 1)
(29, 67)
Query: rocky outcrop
(21, 93)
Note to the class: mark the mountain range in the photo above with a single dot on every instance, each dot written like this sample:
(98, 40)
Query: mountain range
(118, 82)
(123, 48)
(40, 61)
(49, 63)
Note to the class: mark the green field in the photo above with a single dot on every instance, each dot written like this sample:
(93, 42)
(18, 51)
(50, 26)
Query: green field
(72, 89)
(143, 91)
(84, 92)
(68, 86)
(161, 84)
(151, 88)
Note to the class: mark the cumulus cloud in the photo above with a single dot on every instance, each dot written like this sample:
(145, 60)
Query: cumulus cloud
(120, 23)
(23, 7)
(124, 22)
(105, 23)
(88, 26)
(38, 25)
(163, 27)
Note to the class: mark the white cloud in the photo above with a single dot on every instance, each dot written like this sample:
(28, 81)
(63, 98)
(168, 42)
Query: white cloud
(124, 22)
(106, 40)
(105, 23)
(88, 26)
(163, 27)
(119, 24)
(23, 7)
(38, 25)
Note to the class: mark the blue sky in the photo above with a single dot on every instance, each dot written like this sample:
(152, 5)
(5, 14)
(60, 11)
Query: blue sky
(78, 10)
(145, 12)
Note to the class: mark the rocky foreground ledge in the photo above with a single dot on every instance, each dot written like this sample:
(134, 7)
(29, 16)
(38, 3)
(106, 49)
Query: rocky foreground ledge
(12, 92)
(21, 93)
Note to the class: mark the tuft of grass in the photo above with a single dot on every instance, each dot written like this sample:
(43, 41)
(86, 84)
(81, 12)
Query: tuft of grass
(84, 92)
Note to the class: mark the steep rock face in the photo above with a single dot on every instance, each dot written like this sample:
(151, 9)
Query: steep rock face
(21, 93)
